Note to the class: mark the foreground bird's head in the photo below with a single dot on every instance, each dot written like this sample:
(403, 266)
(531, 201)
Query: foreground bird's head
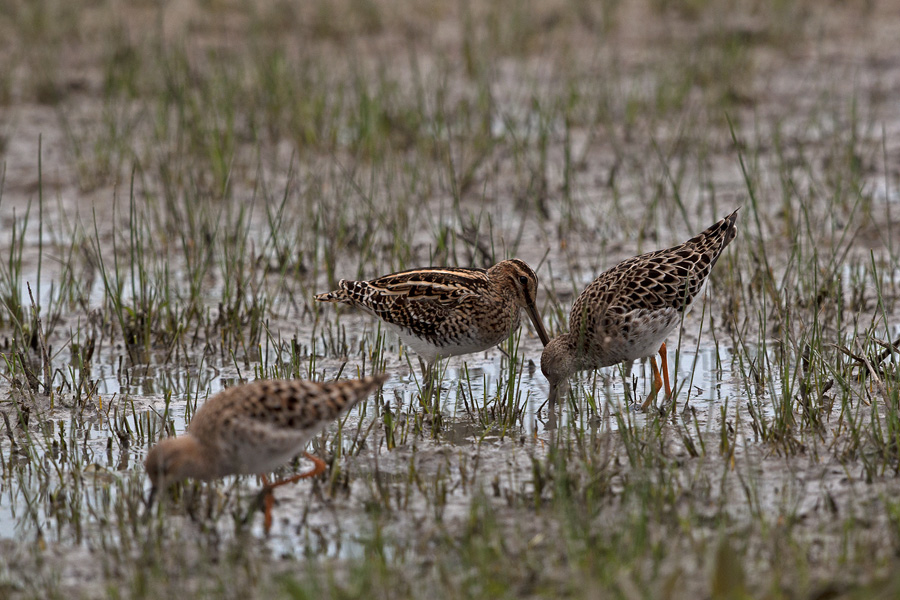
(558, 364)
(516, 275)
(172, 460)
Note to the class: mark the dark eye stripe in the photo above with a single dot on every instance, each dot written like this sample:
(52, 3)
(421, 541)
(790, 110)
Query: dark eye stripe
(524, 280)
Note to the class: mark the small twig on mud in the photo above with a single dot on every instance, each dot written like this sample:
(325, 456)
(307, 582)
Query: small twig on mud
(889, 348)
(847, 352)
(874, 374)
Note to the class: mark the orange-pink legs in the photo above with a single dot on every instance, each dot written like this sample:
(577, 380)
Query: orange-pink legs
(658, 380)
(665, 369)
(269, 487)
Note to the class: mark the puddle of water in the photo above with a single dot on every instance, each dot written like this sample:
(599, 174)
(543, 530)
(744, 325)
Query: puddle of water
(477, 377)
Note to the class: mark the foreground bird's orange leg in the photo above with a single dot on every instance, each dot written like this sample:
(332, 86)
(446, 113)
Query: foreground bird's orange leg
(665, 369)
(655, 385)
(268, 487)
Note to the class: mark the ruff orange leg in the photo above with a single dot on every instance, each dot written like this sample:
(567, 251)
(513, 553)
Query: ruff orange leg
(655, 385)
(319, 467)
(665, 369)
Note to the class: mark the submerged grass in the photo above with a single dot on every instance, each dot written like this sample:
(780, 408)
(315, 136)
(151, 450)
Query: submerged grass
(207, 179)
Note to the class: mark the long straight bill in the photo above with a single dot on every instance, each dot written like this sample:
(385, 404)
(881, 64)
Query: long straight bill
(535, 317)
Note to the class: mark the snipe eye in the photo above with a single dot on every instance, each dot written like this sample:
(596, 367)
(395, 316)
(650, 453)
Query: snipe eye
(523, 280)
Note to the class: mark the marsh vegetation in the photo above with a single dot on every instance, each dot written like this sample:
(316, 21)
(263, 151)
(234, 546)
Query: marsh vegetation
(177, 181)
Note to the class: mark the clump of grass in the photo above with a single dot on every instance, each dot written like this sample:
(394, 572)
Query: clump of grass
(503, 412)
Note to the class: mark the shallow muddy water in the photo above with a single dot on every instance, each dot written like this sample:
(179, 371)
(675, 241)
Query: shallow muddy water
(469, 392)
(175, 195)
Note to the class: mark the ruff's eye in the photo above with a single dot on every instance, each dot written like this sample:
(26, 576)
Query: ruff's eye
(523, 280)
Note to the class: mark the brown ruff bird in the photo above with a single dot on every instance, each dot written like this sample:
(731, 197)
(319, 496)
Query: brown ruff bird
(253, 429)
(443, 311)
(628, 311)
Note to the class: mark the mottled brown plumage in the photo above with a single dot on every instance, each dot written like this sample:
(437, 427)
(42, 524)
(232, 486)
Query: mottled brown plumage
(254, 429)
(444, 311)
(627, 312)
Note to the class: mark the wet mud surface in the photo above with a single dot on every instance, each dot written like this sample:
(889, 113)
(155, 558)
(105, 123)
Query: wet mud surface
(187, 260)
